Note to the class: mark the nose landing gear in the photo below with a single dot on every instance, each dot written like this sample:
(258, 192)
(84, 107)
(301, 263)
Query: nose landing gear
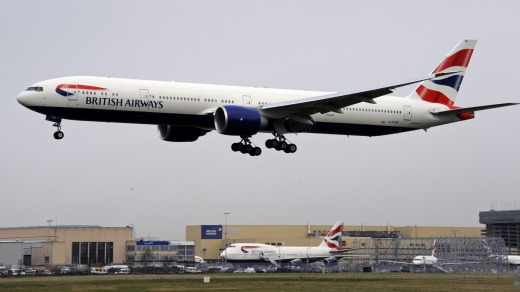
(280, 143)
(58, 135)
(245, 146)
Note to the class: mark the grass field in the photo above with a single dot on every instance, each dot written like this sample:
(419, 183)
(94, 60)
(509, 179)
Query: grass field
(268, 282)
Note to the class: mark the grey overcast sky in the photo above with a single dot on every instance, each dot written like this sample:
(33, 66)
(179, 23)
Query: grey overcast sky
(121, 174)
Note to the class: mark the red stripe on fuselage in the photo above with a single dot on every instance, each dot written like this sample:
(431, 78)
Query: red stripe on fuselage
(460, 59)
(80, 86)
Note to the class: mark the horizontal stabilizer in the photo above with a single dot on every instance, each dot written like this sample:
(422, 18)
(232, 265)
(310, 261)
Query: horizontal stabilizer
(470, 109)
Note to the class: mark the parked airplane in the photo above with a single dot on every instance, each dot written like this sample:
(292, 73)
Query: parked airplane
(329, 251)
(513, 260)
(184, 112)
(420, 259)
(430, 261)
(199, 260)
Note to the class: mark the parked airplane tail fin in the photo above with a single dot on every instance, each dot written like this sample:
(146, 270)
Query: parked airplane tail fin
(489, 252)
(434, 247)
(333, 238)
(444, 89)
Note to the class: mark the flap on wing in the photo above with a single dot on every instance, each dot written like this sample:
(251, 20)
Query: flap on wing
(470, 109)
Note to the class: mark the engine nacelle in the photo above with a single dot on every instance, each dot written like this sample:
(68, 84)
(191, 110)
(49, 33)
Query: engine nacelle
(296, 262)
(172, 133)
(239, 121)
(330, 261)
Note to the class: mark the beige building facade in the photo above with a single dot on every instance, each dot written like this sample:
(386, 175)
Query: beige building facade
(209, 247)
(66, 245)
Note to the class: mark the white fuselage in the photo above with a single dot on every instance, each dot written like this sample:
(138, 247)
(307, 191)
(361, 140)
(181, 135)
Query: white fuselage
(251, 252)
(513, 259)
(424, 260)
(157, 102)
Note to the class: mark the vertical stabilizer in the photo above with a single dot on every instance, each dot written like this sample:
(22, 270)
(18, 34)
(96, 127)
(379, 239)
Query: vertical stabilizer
(445, 88)
(333, 238)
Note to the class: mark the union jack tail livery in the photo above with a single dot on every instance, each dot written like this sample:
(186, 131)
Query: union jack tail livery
(444, 90)
(333, 238)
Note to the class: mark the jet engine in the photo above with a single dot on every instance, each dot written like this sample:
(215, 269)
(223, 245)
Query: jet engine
(330, 261)
(239, 121)
(296, 262)
(172, 133)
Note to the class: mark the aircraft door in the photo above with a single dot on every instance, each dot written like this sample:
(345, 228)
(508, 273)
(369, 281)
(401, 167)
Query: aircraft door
(247, 100)
(73, 94)
(72, 90)
(407, 113)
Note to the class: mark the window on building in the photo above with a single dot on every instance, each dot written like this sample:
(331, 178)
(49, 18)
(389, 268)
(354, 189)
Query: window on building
(92, 253)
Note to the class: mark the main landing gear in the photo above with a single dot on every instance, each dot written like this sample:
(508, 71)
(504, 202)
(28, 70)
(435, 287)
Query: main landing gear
(245, 146)
(280, 143)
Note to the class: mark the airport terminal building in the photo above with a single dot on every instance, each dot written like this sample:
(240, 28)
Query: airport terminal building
(66, 244)
(88, 245)
(95, 245)
(210, 240)
(504, 224)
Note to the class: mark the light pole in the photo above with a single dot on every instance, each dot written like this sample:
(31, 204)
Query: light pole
(225, 238)
(49, 230)
(154, 262)
(455, 232)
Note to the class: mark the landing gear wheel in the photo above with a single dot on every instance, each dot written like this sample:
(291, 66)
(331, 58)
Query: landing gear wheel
(284, 145)
(256, 151)
(246, 147)
(280, 143)
(292, 148)
(58, 135)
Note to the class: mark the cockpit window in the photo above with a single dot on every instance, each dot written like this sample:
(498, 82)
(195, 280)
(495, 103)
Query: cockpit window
(34, 88)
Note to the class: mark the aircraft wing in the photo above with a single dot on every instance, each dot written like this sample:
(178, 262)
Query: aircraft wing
(344, 250)
(396, 262)
(470, 109)
(334, 102)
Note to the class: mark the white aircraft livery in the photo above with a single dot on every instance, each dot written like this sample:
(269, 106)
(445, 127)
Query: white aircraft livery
(512, 260)
(329, 251)
(184, 112)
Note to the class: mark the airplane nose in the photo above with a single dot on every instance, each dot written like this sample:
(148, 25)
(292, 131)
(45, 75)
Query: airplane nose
(22, 99)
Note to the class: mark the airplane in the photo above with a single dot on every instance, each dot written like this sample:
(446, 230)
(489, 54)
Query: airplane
(429, 260)
(329, 251)
(420, 260)
(184, 112)
(513, 260)
(199, 260)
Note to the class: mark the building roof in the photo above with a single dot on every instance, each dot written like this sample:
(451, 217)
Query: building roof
(494, 217)
(51, 226)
